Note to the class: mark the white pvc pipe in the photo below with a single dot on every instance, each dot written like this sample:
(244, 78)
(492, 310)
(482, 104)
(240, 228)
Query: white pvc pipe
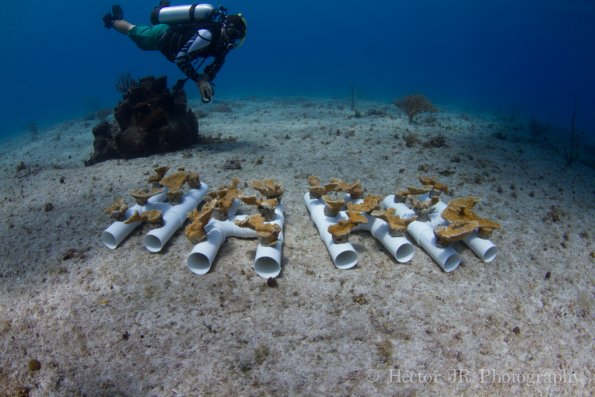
(446, 257)
(174, 217)
(343, 255)
(435, 214)
(203, 254)
(118, 231)
(423, 233)
(483, 248)
(399, 247)
(401, 209)
(267, 262)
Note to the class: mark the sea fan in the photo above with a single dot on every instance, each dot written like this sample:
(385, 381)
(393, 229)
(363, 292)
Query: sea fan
(125, 82)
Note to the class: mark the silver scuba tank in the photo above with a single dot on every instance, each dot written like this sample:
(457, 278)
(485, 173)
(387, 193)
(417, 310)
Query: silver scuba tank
(183, 14)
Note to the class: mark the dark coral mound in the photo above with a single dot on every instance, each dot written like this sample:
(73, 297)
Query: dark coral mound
(149, 120)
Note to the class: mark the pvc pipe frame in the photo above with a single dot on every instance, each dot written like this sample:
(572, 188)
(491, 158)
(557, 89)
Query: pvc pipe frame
(423, 233)
(118, 231)
(344, 255)
(267, 262)
(174, 217)
(483, 248)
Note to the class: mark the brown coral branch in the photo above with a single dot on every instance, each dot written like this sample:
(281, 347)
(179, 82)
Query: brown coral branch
(461, 210)
(268, 232)
(340, 231)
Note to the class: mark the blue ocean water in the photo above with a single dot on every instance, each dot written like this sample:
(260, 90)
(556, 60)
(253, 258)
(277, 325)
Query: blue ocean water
(522, 57)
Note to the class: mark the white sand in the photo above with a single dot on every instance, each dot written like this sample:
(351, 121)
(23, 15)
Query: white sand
(126, 322)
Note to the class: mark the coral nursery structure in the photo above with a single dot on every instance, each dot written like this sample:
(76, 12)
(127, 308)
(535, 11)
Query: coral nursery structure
(217, 221)
(347, 211)
(167, 204)
(434, 232)
(164, 202)
(416, 210)
(337, 208)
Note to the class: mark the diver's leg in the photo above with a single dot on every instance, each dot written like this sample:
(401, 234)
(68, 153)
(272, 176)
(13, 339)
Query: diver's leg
(123, 26)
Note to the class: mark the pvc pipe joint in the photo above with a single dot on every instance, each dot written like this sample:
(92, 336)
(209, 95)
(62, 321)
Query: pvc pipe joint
(118, 231)
(173, 218)
(423, 233)
(267, 262)
(203, 254)
(343, 255)
(446, 257)
(483, 248)
(399, 247)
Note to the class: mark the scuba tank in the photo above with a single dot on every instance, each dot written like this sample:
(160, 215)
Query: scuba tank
(182, 14)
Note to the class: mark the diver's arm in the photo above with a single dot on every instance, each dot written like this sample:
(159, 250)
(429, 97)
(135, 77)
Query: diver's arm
(185, 65)
(183, 60)
(212, 69)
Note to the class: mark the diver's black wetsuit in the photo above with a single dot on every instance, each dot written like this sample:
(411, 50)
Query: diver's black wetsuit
(184, 46)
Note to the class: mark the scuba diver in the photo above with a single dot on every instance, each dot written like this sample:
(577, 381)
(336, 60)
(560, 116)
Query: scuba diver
(187, 36)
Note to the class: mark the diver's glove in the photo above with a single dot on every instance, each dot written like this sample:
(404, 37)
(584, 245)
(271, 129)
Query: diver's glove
(206, 90)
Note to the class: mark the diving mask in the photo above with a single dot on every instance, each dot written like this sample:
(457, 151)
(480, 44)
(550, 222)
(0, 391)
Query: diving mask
(235, 27)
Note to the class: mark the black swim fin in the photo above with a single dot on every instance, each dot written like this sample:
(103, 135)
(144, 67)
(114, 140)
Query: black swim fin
(108, 20)
(117, 12)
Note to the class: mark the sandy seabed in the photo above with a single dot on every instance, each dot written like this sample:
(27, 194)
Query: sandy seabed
(77, 318)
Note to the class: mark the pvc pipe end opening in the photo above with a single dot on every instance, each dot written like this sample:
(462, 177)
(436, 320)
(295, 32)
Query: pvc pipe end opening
(199, 263)
(346, 260)
(267, 267)
(109, 240)
(490, 254)
(153, 243)
(452, 262)
(405, 253)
